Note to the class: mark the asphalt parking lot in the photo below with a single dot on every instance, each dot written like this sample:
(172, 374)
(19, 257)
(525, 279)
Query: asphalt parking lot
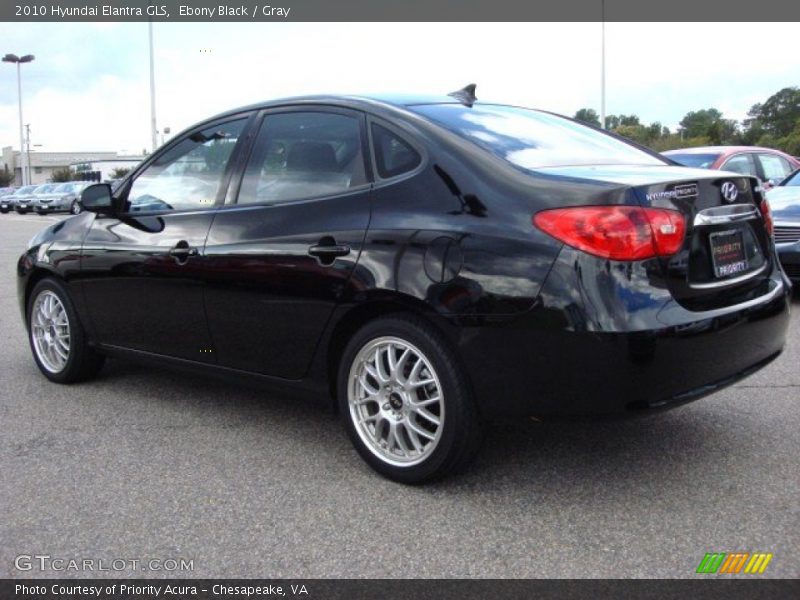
(144, 464)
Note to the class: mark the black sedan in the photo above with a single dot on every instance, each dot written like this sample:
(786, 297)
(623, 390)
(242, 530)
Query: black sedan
(427, 263)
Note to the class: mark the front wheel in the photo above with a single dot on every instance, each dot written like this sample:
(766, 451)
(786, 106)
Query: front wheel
(406, 404)
(75, 208)
(57, 339)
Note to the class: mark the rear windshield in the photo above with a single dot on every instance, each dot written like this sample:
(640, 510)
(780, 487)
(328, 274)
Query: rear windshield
(533, 140)
(699, 161)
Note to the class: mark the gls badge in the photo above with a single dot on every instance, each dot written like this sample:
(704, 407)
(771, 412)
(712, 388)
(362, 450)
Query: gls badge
(729, 191)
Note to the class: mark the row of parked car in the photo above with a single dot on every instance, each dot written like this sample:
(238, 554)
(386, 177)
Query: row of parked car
(779, 174)
(43, 199)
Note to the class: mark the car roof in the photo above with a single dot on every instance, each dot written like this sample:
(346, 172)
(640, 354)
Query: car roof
(378, 103)
(721, 150)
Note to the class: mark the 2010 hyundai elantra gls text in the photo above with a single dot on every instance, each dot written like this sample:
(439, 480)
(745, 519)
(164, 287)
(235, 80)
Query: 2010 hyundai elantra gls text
(427, 262)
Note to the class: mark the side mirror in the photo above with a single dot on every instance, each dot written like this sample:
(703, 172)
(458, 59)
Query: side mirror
(97, 198)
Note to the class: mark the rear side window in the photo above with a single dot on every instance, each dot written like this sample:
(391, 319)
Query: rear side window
(393, 155)
(776, 168)
(531, 139)
(741, 163)
(300, 155)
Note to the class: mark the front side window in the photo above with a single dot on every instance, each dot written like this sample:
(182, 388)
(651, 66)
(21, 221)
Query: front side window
(300, 155)
(531, 139)
(393, 155)
(741, 163)
(775, 167)
(188, 175)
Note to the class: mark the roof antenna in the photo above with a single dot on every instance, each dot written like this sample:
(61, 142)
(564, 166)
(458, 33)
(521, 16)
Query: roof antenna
(465, 95)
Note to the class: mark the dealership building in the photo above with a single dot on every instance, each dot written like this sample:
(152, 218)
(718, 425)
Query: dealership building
(98, 164)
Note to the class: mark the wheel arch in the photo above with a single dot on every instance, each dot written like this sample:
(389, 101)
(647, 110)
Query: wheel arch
(33, 277)
(360, 314)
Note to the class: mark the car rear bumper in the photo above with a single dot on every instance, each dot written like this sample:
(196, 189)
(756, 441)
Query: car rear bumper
(578, 354)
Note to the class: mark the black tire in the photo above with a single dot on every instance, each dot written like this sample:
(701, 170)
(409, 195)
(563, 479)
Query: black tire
(82, 361)
(461, 434)
(75, 208)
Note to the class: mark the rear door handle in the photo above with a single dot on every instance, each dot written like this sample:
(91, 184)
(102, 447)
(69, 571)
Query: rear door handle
(182, 250)
(325, 251)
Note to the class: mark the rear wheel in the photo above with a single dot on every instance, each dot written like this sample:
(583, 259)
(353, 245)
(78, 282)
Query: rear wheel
(75, 208)
(57, 339)
(406, 404)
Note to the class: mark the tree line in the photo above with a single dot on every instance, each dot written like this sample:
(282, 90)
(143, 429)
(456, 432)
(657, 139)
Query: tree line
(775, 123)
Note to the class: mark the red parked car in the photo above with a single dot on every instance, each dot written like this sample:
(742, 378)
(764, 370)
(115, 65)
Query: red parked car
(770, 166)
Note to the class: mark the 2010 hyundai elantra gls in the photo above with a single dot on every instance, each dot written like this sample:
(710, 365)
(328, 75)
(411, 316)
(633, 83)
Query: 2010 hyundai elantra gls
(427, 262)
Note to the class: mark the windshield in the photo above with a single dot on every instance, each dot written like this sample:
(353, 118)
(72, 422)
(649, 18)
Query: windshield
(25, 190)
(699, 161)
(65, 187)
(792, 180)
(531, 139)
(43, 188)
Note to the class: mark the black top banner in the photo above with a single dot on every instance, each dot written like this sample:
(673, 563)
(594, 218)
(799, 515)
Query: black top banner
(406, 10)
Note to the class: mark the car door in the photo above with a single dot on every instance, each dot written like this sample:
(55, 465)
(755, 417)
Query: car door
(141, 269)
(281, 254)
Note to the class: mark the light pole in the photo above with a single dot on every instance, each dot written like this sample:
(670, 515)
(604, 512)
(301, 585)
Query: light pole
(153, 130)
(603, 65)
(13, 58)
(28, 150)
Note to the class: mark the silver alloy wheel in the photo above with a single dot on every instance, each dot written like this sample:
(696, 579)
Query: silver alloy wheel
(76, 208)
(396, 401)
(50, 331)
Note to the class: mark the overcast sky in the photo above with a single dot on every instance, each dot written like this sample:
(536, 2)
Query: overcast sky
(88, 88)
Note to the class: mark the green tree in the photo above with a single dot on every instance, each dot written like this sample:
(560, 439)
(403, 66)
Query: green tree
(630, 120)
(697, 122)
(61, 175)
(778, 115)
(612, 121)
(119, 172)
(588, 115)
(637, 133)
(6, 177)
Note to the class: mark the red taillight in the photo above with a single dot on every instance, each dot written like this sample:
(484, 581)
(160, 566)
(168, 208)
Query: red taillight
(616, 232)
(766, 212)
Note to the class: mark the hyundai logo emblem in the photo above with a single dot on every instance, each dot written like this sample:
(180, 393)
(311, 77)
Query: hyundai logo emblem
(729, 191)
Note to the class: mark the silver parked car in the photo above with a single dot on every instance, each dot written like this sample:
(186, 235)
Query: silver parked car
(21, 199)
(784, 200)
(63, 197)
(29, 202)
(6, 205)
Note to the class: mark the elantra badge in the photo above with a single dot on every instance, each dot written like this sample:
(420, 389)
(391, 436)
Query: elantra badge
(729, 191)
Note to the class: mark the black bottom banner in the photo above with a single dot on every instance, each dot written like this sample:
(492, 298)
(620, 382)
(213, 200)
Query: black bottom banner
(369, 589)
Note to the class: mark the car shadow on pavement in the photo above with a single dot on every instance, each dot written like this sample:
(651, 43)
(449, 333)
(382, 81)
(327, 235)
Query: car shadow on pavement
(664, 453)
